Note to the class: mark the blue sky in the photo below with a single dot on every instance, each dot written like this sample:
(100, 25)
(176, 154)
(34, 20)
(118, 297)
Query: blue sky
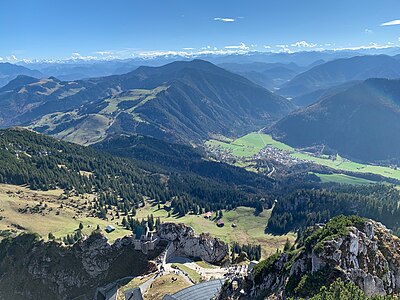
(52, 29)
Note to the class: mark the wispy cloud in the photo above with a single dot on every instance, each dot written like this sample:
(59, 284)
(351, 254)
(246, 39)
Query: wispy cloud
(188, 48)
(11, 58)
(225, 20)
(391, 23)
(368, 31)
(284, 48)
(242, 46)
(371, 45)
(104, 52)
(78, 56)
(303, 44)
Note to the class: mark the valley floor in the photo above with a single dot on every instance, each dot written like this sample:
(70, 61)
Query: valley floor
(256, 145)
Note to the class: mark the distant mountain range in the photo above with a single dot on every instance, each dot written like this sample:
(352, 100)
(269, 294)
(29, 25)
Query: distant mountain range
(191, 101)
(315, 96)
(77, 70)
(360, 123)
(181, 102)
(81, 68)
(268, 75)
(339, 71)
(9, 72)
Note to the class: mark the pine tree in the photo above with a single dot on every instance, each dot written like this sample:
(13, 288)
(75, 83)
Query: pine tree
(287, 246)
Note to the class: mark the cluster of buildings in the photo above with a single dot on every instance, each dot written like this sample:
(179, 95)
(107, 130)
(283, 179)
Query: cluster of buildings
(264, 161)
(278, 156)
(208, 216)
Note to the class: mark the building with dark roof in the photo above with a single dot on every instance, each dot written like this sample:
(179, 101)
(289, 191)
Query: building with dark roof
(109, 228)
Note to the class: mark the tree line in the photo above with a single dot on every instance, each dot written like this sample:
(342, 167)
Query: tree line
(302, 208)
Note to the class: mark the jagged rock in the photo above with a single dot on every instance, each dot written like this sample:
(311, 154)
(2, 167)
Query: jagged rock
(367, 255)
(185, 242)
(173, 231)
(35, 269)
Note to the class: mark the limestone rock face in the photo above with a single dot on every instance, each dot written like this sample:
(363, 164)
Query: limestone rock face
(173, 231)
(58, 272)
(185, 242)
(368, 256)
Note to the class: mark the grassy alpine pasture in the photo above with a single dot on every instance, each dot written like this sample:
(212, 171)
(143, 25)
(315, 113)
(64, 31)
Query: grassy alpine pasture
(249, 228)
(24, 210)
(343, 179)
(92, 128)
(249, 145)
(252, 143)
(245, 146)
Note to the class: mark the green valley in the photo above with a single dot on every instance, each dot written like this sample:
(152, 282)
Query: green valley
(251, 144)
(343, 178)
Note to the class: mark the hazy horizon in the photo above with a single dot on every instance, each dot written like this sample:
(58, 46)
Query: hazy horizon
(103, 30)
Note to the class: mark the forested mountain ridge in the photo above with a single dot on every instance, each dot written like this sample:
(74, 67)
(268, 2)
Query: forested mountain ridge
(343, 70)
(26, 98)
(268, 75)
(8, 72)
(177, 158)
(181, 102)
(46, 163)
(300, 209)
(361, 123)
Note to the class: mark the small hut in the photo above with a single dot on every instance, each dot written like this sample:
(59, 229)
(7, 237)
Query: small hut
(208, 215)
(109, 228)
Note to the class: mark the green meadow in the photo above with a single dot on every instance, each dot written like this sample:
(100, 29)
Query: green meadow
(249, 227)
(343, 179)
(252, 143)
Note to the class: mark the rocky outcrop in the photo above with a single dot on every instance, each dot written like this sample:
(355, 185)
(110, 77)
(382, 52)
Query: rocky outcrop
(369, 257)
(33, 269)
(186, 243)
(365, 253)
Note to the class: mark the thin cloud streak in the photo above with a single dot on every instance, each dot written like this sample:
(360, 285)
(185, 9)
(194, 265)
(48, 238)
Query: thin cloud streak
(225, 20)
(391, 23)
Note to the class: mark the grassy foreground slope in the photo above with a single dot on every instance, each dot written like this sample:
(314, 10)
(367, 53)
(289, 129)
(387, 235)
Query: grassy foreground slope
(47, 213)
(42, 212)
(252, 144)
